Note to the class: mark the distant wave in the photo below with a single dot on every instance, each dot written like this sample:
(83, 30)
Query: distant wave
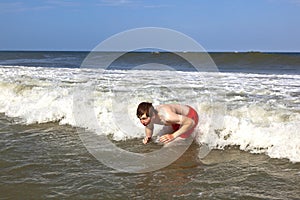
(249, 62)
(258, 62)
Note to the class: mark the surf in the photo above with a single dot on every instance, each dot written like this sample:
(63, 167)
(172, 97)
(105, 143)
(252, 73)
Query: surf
(235, 109)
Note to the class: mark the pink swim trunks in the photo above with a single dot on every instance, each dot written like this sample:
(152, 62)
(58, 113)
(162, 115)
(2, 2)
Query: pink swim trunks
(192, 115)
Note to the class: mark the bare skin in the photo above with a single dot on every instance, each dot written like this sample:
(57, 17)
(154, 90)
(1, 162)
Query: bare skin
(167, 114)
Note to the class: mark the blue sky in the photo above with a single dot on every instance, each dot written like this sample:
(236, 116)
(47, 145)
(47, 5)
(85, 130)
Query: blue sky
(218, 25)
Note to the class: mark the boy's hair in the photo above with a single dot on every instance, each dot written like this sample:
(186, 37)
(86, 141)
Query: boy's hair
(144, 107)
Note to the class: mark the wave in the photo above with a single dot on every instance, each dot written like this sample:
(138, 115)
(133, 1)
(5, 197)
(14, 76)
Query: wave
(277, 137)
(258, 62)
(250, 62)
(258, 118)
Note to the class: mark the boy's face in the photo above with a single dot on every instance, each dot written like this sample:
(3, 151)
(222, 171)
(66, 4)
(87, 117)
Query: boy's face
(145, 120)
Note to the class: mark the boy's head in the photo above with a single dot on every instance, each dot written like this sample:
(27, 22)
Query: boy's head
(144, 112)
(144, 108)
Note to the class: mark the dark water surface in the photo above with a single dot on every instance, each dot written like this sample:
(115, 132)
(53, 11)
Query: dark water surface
(49, 161)
(247, 62)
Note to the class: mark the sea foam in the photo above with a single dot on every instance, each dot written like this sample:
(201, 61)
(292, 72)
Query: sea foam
(257, 113)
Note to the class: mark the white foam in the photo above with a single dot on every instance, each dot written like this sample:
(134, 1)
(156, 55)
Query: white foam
(256, 134)
(258, 113)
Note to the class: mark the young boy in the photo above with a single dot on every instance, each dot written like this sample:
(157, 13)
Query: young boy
(182, 118)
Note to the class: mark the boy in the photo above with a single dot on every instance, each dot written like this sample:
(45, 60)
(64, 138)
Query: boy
(182, 118)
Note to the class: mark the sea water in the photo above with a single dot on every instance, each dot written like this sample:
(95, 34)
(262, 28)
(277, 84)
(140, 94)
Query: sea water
(249, 113)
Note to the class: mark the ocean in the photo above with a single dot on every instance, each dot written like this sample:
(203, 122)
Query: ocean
(246, 145)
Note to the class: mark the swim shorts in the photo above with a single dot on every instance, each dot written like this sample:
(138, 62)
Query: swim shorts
(192, 115)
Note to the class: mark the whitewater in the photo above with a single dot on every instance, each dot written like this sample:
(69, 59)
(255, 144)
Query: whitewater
(258, 113)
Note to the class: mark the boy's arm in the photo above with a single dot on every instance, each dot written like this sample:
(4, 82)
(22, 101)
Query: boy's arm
(186, 125)
(149, 133)
(185, 122)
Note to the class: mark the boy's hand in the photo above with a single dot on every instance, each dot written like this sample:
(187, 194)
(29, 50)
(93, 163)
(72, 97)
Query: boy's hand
(166, 138)
(146, 140)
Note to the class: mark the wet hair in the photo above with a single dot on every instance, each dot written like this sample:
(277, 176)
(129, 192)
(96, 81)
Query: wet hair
(144, 107)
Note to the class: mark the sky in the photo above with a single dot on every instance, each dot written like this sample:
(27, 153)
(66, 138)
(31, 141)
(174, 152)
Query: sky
(217, 25)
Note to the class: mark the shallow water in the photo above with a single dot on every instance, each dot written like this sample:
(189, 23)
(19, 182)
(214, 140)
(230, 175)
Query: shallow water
(49, 161)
